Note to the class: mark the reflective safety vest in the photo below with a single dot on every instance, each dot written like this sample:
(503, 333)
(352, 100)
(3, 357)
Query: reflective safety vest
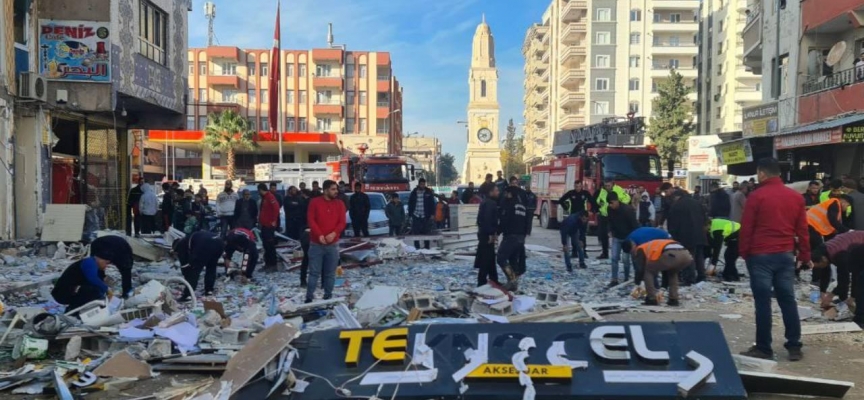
(623, 197)
(817, 217)
(654, 249)
(728, 227)
(824, 196)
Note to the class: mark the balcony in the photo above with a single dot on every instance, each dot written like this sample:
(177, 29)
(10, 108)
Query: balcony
(543, 79)
(819, 16)
(753, 43)
(665, 25)
(382, 112)
(572, 77)
(223, 80)
(574, 32)
(573, 10)
(383, 86)
(328, 107)
(217, 107)
(327, 81)
(545, 57)
(670, 48)
(837, 94)
(568, 99)
(676, 4)
(224, 52)
(572, 56)
(327, 55)
(571, 121)
(748, 94)
(663, 71)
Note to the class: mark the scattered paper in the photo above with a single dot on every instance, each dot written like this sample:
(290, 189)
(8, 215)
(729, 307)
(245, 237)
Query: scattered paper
(523, 304)
(135, 333)
(184, 335)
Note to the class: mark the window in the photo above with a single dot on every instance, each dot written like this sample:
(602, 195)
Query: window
(604, 14)
(719, 48)
(323, 70)
(323, 96)
(658, 17)
(264, 98)
(190, 123)
(265, 70)
(634, 84)
(601, 84)
(265, 124)
(674, 41)
(634, 107)
(653, 86)
(349, 125)
(202, 122)
(202, 68)
(634, 61)
(323, 124)
(229, 68)
(383, 125)
(349, 97)
(349, 70)
(720, 27)
(758, 87)
(191, 68)
(483, 88)
(253, 123)
(783, 70)
(601, 61)
(635, 15)
(250, 69)
(362, 125)
(229, 95)
(202, 95)
(289, 125)
(362, 97)
(302, 70)
(362, 71)
(674, 18)
(301, 122)
(635, 37)
(152, 31)
(289, 69)
(250, 96)
(190, 95)
(674, 63)
(602, 38)
(719, 69)
(289, 97)
(302, 97)
(601, 107)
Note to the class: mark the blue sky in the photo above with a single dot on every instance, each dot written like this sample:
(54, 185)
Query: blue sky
(429, 42)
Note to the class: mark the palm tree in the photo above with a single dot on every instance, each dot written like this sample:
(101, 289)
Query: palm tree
(227, 132)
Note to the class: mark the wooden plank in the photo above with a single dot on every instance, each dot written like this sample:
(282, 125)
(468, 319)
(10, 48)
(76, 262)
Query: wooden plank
(199, 359)
(591, 313)
(830, 328)
(763, 382)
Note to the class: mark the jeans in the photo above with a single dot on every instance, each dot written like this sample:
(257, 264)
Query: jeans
(777, 272)
(226, 222)
(395, 230)
(576, 248)
(323, 260)
(420, 226)
(616, 257)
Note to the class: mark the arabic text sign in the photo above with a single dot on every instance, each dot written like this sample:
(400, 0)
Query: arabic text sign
(735, 153)
(75, 50)
(760, 120)
(564, 360)
(807, 139)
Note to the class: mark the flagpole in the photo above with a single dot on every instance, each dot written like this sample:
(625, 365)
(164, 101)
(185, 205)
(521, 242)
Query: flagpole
(281, 121)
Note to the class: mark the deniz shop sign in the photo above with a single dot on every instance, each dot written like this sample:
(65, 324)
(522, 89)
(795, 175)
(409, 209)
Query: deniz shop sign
(520, 361)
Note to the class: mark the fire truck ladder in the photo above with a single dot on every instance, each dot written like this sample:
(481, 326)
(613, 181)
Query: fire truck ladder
(611, 132)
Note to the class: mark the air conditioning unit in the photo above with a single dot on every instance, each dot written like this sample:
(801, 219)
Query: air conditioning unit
(31, 86)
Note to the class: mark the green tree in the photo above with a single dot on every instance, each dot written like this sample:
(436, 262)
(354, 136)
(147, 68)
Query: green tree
(227, 132)
(512, 153)
(672, 119)
(447, 172)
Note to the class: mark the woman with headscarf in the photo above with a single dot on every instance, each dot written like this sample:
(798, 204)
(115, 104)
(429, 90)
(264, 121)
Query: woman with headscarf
(84, 280)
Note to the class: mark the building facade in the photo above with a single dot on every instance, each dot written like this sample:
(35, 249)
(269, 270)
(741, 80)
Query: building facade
(89, 77)
(725, 85)
(483, 154)
(605, 59)
(424, 150)
(333, 101)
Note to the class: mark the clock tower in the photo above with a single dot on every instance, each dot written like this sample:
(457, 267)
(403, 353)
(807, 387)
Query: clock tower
(483, 154)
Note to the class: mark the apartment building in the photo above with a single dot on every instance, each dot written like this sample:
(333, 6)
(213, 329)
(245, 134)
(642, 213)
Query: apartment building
(424, 150)
(334, 102)
(603, 58)
(726, 85)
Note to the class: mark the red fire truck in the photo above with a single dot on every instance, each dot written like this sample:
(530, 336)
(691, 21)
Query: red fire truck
(376, 173)
(610, 150)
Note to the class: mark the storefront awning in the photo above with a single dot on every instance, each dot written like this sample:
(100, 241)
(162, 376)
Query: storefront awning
(823, 125)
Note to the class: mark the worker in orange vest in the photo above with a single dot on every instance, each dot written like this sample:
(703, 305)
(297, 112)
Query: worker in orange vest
(660, 256)
(825, 221)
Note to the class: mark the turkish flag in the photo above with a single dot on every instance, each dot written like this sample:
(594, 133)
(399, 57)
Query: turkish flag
(275, 74)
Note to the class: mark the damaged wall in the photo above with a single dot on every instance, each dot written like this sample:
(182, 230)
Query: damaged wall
(30, 179)
(7, 210)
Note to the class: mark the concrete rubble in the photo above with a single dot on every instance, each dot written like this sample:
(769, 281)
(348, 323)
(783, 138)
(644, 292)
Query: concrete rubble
(246, 329)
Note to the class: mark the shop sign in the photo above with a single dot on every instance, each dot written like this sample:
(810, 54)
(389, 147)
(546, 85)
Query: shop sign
(853, 133)
(807, 139)
(735, 153)
(700, 155)
(78, 51)
(506, 361)
(760, 120)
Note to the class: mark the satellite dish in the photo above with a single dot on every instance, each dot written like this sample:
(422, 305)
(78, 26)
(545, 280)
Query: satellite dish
(814, 63)
(836, 54)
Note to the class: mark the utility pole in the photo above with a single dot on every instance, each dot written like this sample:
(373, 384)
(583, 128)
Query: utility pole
(210, 14)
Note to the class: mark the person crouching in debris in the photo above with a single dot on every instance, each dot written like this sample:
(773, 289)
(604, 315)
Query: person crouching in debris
(85, 281)
(487, 235)
(724, 230)
(659, 256)
(846, 251)
(242, 240)
(514, 218)
(196, 252)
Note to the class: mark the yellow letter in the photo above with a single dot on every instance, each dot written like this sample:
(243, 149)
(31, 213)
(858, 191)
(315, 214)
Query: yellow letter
(355, 339)
(390, 339)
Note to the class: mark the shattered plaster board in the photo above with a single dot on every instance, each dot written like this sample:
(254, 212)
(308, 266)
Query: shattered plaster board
(63, 222)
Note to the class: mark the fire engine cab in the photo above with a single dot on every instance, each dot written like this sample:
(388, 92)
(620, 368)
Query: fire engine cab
(611, 150)
(376, 173)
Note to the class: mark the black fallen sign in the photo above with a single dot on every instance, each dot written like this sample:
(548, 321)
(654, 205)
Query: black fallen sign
(519, 361)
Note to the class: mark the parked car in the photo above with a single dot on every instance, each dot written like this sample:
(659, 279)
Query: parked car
(378, 223)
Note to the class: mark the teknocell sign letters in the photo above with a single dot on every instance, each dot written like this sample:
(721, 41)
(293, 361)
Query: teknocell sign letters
(517, 361)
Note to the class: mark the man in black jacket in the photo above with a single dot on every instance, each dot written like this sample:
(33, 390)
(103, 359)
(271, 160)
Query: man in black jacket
(487, 235)
(132, 211)
(687, 224)
(578, 201)
(245, 211)
(622, 222)
(167, 206)
(531, 206)
(720, 205)
(421, 210)
(468, 193)
(196, 252)
(294, 214)
(514, 218)
(358, 209)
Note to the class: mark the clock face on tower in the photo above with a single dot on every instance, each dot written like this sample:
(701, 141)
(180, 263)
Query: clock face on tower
(485, 135)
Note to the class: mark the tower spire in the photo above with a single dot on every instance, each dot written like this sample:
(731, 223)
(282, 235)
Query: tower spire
(483, 17)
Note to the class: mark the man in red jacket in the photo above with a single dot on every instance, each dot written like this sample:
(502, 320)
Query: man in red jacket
(774, 217)
(326, 219)
(268, 218)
